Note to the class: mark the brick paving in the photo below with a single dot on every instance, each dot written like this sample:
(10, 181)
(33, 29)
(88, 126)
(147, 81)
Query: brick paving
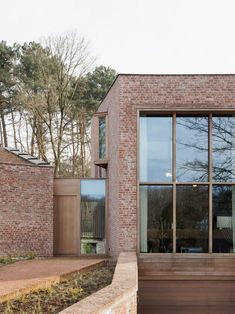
(25, 276)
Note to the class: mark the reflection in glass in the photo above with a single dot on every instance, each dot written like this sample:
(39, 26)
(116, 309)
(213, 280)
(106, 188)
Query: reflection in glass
(102, 146)
(156, 219)
(191, 148)
(155, 148)
(223, 219)
(223, 147)
(92, 216)
(192, 219)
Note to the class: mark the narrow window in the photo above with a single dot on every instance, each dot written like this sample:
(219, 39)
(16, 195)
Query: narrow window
(192, 218)
(92, 216)
(156, 218)
(155, 148)
(191, 148)
(223, 140)
(102, 136)
(223, 219)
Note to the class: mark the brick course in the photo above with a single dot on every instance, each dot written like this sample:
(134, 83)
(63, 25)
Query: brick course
(161, 92)
(26, 207)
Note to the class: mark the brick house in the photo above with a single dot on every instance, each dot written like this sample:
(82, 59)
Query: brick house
(168, 140)
(26, 204)
(166, 144)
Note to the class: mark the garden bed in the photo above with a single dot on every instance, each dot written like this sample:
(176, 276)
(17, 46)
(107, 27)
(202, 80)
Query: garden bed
(57, 297)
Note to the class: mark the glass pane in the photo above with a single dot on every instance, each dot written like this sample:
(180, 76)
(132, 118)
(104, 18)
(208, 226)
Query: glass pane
(155, 149)
(192, 219)
(223, 146)
(92, 216)
(191, 149)
(223, 219)
(156, 219)
(102, 146)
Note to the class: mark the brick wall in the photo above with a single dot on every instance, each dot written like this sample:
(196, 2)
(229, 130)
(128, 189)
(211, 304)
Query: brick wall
(163, 92)
(111, 106)
(26, 208)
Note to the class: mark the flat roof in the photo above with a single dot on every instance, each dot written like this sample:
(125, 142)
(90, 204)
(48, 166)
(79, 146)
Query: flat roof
(152, 74)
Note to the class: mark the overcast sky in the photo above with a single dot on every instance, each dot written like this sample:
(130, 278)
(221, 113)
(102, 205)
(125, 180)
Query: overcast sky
(134, 36)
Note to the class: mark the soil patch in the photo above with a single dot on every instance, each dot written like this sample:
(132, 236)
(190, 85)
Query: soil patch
(57, 297)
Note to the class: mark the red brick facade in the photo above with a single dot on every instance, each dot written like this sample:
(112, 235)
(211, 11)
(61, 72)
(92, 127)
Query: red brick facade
(26, 207)
(129, 94)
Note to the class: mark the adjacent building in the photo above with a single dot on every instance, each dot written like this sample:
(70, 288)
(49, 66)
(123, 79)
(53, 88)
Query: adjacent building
(26, 204)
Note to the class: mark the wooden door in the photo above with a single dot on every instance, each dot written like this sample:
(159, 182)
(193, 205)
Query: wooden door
(66, 216)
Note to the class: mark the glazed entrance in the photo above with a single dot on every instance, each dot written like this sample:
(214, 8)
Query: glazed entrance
(79, 216)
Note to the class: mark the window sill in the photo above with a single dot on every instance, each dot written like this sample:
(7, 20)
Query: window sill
(101, 163)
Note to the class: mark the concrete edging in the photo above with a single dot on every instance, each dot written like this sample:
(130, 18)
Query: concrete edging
(119, 297)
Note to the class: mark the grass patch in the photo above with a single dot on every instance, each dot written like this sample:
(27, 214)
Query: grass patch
(57, 297)
(9, 259)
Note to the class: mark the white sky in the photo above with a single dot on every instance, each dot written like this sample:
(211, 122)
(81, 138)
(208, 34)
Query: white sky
(134, 36)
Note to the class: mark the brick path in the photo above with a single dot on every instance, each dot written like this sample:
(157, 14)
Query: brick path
(25, 276)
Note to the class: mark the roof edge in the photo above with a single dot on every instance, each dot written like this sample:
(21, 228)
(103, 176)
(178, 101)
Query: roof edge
(34, 161)
(152, 74)
(176, 74)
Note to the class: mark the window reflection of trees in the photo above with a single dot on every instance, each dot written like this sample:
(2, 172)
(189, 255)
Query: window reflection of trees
(192, 149)
(194, 165)
(160, 219)
(192, 201)
(192, 218)
(223, 219)
(223, 148)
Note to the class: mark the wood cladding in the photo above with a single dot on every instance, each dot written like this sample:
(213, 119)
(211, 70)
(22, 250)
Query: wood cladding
(186, 284)
(66, 216)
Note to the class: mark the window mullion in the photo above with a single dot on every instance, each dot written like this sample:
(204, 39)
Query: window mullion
(174, 179)
(210, 183)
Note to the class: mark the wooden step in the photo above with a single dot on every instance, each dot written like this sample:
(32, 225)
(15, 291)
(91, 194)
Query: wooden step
(227, 308)
(182, 265)
(188, 277)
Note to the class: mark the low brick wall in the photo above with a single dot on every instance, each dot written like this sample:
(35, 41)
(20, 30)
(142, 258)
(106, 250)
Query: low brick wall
(119, 297)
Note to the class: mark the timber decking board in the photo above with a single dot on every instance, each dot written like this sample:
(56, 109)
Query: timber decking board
(191, 285)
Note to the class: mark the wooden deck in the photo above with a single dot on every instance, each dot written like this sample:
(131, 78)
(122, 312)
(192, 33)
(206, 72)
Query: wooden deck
(186, 284)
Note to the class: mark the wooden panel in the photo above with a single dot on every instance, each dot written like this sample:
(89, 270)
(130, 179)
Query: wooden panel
(67, 225)
(186, 284)
(66, 187)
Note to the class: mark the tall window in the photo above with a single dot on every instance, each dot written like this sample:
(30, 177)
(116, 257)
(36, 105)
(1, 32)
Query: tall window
(93, 216)
(187, 183)
(102, 138)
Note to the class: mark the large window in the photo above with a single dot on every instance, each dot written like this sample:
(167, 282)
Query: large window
(187, 183)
